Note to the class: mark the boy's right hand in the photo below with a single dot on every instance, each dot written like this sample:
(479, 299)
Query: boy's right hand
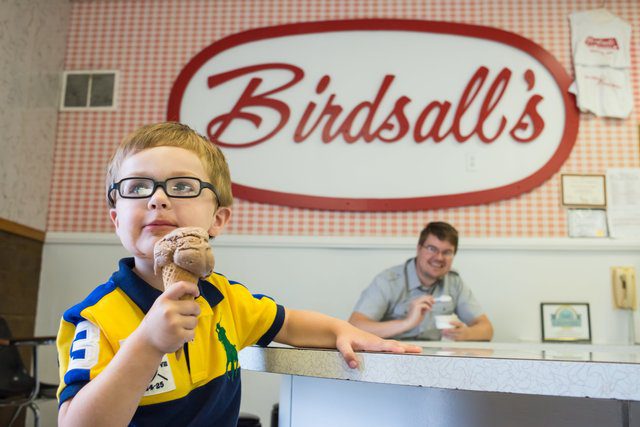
(171, 321)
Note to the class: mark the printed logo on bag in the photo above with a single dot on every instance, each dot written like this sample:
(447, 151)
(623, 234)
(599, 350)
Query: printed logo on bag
(380, 115)
(609, 43)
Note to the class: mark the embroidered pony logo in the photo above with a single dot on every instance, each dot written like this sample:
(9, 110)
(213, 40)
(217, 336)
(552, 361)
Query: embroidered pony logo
(231, 368)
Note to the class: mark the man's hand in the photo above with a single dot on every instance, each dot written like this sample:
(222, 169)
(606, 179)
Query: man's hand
(418, 308)
(459, 332)
(171, 321)
(480, 329)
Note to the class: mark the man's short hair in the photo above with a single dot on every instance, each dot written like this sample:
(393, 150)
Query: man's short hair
(172, 134)
(443, 231)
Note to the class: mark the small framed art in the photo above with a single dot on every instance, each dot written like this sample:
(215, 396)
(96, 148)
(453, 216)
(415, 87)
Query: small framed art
(587, 222)
(565, 322)
(583, 191)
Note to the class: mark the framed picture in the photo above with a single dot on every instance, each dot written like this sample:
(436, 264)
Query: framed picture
(587, 222)
(565, 322)
(583, 191)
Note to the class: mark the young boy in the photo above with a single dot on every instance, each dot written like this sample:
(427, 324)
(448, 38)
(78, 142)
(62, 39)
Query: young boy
(118, 355)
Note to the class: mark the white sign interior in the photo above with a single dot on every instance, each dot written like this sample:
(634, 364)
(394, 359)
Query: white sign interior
(398, 74)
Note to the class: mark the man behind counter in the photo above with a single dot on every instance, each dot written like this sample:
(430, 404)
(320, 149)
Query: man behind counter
(402, 301)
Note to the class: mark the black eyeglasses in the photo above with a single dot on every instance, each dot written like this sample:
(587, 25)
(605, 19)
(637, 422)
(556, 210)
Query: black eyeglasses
(181, 187)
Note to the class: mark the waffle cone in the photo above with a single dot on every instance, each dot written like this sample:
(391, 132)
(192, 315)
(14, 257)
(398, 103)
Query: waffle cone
(172, 273)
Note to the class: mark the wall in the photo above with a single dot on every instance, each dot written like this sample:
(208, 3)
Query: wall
(32, 42)
(32, 46)
(149, 42)
(510, 277)
(513, 253)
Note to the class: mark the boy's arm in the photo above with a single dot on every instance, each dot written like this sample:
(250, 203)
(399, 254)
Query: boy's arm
(383, 329)
(112, 397)
(312, 329)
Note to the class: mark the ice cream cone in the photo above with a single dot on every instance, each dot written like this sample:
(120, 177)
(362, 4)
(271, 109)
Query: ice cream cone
(183, 255)
(172, 273)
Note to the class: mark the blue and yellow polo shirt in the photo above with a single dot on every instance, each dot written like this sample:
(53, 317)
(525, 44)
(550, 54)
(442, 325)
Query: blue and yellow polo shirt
(200, 388)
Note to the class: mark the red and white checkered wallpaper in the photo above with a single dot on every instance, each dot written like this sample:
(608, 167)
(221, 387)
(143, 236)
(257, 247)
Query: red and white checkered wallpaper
(150, 41)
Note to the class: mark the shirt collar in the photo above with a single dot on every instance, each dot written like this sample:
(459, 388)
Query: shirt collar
(144, 295)
(414, 283)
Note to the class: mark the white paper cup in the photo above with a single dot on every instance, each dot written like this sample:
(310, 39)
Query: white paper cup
(443, 321)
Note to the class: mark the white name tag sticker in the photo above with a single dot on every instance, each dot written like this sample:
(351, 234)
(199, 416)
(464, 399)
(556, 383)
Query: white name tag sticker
(162, 381)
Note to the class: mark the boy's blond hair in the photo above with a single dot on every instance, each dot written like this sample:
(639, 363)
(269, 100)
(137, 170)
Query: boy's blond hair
(172, 134)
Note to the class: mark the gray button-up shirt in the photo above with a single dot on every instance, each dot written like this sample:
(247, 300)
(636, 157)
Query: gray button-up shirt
(389, 295)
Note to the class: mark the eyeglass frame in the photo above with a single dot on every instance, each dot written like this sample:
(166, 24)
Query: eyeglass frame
(161, 184)
(448, 253)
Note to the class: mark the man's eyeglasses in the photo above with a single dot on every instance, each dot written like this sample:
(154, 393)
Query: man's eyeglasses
(435, 251)
(181, 187)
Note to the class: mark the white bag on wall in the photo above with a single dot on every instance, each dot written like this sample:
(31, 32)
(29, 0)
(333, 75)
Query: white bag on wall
(601, 58)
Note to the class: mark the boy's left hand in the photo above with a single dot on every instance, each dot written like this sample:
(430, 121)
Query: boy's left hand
(303, 328)
(351, 339)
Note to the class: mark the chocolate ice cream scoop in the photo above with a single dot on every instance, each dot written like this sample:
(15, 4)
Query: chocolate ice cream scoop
(183, 254)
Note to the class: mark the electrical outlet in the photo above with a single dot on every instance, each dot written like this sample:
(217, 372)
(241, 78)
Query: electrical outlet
(623, 280)
(471, 162)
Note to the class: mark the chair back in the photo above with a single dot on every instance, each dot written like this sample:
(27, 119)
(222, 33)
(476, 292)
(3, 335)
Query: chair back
(14, 377)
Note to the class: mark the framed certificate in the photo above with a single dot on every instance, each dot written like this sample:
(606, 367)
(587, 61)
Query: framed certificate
(585, 191)
(587, 222)
(565, 322)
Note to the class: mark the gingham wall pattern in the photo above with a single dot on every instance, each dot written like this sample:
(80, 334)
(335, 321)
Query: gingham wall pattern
(150, 41)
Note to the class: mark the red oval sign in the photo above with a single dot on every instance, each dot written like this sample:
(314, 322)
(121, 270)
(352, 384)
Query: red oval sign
(380, 115)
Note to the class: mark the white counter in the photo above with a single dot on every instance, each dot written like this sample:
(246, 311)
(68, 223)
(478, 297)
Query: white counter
(576, 370)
